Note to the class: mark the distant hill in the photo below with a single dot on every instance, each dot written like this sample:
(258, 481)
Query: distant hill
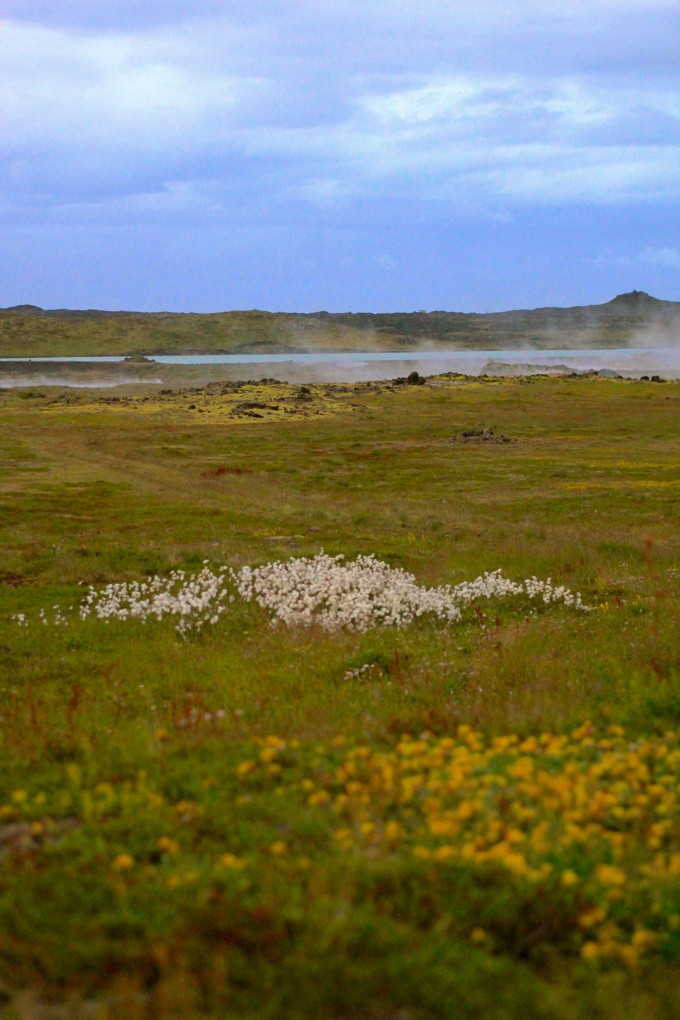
(70, 313)
(623, 321)
(23, 310)
(636, 300)
(632, 319)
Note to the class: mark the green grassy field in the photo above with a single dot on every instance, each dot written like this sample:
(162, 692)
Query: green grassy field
(476, 821)
(33, 336)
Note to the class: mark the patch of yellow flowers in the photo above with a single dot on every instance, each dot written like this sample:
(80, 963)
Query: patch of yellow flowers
(593, 817)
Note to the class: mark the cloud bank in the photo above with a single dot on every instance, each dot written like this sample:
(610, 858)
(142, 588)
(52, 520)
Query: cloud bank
(338, 115)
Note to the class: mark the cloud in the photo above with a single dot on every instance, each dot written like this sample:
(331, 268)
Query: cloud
(667, 257)
(298, 105)
(122, 91)
(108, 14)
(120, 13)
(466, 140)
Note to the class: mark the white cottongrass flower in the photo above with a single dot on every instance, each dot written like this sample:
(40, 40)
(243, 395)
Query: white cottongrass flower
(194, 600)
(325, 591)
(336, 595)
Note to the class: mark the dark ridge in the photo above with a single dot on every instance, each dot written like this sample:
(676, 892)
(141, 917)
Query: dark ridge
(634, 301)
(92, 313)
(76, 313)
(24, 310)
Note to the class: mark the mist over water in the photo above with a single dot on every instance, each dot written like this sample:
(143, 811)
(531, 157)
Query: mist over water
(350, 366)
(21, 381)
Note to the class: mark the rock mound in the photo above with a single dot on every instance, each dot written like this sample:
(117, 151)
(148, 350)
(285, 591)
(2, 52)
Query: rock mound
(480, 436)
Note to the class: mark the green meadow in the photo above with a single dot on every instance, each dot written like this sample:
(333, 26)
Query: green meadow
(477, 820)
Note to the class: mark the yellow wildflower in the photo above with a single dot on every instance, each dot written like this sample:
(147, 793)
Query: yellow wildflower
(166, 845)
(232, 861)
(609, 875)
(392, 831)
(123, 862)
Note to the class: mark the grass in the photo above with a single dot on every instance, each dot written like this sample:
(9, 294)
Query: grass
(475, 821)
(33, 336)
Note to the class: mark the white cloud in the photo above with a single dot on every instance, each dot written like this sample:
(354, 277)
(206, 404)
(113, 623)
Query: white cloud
(228, 104)
(591, 174)
(448, 99)
(669, 257)
(328, 192)
(463, 138)
(65, 89)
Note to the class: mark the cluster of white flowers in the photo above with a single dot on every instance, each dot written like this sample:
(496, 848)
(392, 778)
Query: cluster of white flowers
(364, 672)
(58, 618)
(335, 595)
(494, 586)
(326, 591)
(196, 715)
(195, 600)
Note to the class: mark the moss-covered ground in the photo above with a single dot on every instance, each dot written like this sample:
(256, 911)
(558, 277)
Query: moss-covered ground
(475, 821)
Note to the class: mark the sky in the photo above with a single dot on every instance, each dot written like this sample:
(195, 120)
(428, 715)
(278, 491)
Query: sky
(347, 155)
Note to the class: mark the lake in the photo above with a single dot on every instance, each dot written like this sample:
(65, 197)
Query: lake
(529, 356)
(357, 366)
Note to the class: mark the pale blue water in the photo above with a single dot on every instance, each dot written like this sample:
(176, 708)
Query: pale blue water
(354, 366)
(606, 356)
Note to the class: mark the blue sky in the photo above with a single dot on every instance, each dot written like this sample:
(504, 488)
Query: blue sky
(338, 154)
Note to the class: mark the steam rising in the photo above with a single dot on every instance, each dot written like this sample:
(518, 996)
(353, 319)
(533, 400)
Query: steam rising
(72, 382)
(353, 367)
